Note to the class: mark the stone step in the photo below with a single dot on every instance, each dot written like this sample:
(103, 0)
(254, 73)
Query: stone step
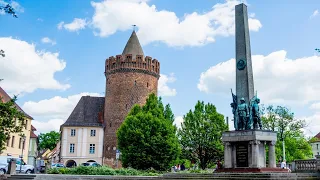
(14, 177)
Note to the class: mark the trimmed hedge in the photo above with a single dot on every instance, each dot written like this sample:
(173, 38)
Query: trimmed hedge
(103, 170)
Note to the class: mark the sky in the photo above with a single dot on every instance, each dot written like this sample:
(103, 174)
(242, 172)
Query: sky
(56, 50)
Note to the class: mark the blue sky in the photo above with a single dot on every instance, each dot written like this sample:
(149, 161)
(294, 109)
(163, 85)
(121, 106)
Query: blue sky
(189, 38)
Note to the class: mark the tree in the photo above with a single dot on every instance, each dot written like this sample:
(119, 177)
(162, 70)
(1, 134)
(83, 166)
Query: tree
(9, 115)
(168, 114)
(200, 134)
(48, 140)
(9, 10)
(289, 133)
(146, 138)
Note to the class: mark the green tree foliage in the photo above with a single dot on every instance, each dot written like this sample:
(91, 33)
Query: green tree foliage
(7, 8)
(289, 129)
(11, 121)
(314, 139)
(48, 140)
(146, 138)
(200, 134)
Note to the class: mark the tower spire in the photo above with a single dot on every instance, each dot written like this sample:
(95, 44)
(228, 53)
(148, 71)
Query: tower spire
(133, 45)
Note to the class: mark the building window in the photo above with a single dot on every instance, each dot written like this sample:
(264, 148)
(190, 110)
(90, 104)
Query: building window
(110, 124)
(317, 146)
(318, 153)
(93, 132)
(26, 124)
(20, 140)
(147, 84)
(73, 132)
(135, 82)
(92, 148)
(23, 144)
(12, 141)
(71, 148)
(8, 141)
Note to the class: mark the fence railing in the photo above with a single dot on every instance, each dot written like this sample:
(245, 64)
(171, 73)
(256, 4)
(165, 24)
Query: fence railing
(309, 165)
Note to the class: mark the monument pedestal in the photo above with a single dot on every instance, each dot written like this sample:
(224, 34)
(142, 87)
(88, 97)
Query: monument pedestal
(245, 151)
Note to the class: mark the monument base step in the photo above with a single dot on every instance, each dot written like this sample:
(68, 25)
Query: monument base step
(252, 170)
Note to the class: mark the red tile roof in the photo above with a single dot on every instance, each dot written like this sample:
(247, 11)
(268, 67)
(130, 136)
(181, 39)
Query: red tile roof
(317, 136)
(6, 98)
(33, 135)
(33, 128)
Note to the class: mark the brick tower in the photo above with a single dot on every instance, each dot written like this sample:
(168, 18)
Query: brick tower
(130, 78)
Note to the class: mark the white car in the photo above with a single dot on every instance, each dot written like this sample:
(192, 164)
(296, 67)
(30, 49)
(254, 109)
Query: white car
(4, 162)
(3, 168)
(25, 168)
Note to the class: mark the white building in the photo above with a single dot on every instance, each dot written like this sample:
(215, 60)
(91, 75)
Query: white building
(82, 133)
(316, 146)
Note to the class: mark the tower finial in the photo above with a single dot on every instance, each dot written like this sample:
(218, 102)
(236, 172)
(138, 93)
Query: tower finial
(134, 27)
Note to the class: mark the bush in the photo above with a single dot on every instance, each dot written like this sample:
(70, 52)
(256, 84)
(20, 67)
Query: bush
(103, 170)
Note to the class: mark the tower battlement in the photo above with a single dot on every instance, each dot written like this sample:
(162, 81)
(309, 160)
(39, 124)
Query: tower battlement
(126, 63)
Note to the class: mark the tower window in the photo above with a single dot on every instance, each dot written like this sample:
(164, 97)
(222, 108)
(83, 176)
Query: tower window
(110, 124)
(126, 106)
(147, 84)
(135, 82)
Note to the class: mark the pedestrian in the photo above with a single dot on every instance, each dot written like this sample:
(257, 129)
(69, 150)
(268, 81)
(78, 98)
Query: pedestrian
(183, 167)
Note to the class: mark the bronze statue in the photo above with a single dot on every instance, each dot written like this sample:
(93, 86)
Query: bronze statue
(234, 110)
(243, 114)
(256, 113)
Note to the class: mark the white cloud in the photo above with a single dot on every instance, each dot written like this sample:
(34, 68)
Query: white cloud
(39, 19)
(48, 40)
(313, 124)
(315, 13)
(25, 69)
(56, 107)
(193, 29)
(164, 89)
(44, 127)
(178, 120)
(55, 110)
(277, 78)
(315, 106)
(76, 25)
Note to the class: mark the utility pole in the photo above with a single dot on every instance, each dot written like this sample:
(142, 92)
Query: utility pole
(23, 141)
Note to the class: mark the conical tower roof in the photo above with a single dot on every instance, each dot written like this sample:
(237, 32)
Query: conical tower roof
(133, 46)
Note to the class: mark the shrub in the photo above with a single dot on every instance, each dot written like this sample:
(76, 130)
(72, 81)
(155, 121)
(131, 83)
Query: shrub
(103, 170)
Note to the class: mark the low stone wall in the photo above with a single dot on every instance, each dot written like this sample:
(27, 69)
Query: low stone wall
(189, 176)
(89, 177)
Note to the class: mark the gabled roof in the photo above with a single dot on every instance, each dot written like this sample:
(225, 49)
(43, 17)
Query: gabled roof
(86, 112)
(33, 135)
(6, 98)
(33, 128)
(133, 46)
(317, 136)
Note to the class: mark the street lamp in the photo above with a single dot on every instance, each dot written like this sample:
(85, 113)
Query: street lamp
(23, 141)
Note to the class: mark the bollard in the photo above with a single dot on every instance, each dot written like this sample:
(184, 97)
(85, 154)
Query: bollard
(12, 167)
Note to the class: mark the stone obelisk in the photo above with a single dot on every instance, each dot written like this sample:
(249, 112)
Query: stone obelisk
(244, 76)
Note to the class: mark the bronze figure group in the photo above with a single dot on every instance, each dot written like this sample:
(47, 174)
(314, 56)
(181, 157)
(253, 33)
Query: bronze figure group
(246, 116)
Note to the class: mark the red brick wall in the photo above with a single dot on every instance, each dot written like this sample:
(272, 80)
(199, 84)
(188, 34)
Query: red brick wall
(123, 90)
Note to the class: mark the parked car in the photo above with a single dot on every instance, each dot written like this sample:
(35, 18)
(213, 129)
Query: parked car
(25, 168)
(58, 165)
(94, 164)
(3, 168)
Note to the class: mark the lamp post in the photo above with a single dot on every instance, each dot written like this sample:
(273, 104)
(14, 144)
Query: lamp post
(23, 140)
